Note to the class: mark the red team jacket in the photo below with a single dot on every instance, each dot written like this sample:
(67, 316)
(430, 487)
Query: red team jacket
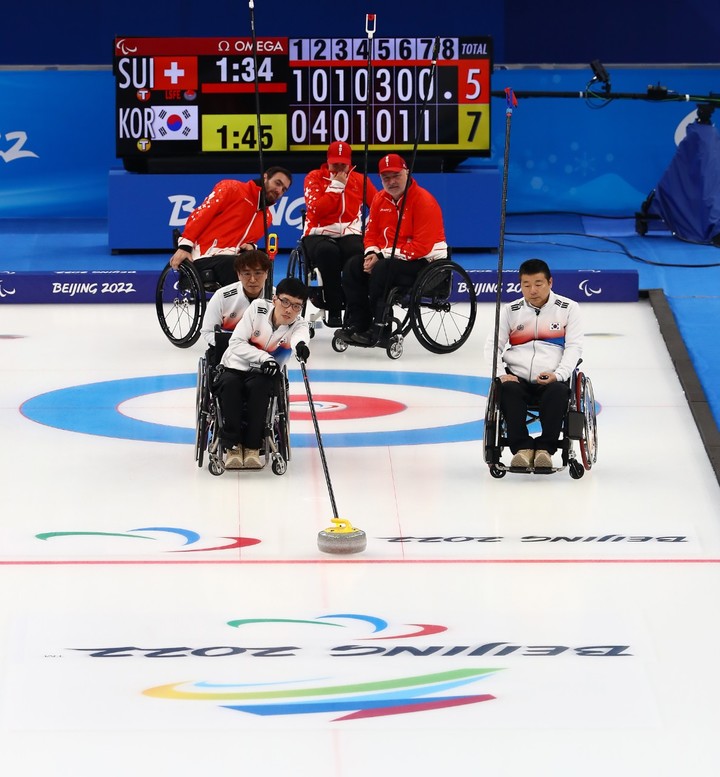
(334, 209)
(422, 234)
(226, 219)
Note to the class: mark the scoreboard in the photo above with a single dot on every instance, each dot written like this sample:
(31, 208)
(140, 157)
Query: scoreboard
(194, 97)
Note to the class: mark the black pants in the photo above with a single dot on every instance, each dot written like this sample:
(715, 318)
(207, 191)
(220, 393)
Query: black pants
(218, 269)
(329, 255)
(366, 293)
(244, 398)
(552, 403)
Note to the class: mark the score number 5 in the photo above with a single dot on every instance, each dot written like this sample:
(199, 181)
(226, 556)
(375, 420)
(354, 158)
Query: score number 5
(240, 132)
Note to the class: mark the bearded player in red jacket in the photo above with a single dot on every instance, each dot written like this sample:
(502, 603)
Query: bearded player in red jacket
(228, 221)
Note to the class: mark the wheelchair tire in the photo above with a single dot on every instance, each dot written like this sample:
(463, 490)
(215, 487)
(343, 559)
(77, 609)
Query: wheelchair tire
(215, 467)
(440, 324)
(585, 404)
(202, 403)
(394, 347)
(180, 304)
(282, 423)
(491, 437)
(338, 345)
(576, 469)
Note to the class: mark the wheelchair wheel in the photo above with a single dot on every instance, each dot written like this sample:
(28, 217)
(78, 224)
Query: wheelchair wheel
(214, 445)
(394, 347)
(338, 345)
(576, 469)
(440, 324)
(202, 403)
(491, 433)
(279, 465)
(585, 403)
(283, 425)
(215, 467)
(180, 304)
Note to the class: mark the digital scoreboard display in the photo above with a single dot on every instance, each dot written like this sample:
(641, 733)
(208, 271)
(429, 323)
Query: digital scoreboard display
(193, 97)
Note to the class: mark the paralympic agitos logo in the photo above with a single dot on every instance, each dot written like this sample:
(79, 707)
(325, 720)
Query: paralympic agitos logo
(372, 694)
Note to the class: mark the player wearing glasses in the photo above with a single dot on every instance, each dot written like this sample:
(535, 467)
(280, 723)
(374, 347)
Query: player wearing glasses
(263, 339)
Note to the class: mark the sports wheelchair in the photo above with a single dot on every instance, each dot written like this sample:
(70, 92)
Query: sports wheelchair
(431, 308)
(208, 415)
(580, 425)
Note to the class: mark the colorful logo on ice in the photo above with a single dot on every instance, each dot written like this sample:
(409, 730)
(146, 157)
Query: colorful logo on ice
(345, 700)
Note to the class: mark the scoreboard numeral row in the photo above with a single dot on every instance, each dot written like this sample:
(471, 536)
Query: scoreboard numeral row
(317, 127)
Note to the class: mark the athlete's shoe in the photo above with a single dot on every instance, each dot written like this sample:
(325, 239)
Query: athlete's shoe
(543, 460)
(234, 458)
(251, 459)
(523, 458)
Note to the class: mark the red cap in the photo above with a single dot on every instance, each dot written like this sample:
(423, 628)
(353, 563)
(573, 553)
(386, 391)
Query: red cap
(339, 153)
(392, 163)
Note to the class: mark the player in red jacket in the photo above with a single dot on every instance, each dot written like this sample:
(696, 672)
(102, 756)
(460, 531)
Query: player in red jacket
(369, 276)
(228, 221)
(333, 226)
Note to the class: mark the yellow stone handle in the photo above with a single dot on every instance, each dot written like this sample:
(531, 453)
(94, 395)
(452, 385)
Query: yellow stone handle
(341, 526)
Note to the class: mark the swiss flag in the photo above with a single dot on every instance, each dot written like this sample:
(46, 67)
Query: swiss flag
(175, 73)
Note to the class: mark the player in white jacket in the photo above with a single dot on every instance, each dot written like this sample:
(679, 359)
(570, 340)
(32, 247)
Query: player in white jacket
(264, 338)
(227, 305)
(540, 341)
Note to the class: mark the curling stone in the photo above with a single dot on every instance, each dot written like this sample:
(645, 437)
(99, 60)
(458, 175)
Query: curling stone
(342, 537)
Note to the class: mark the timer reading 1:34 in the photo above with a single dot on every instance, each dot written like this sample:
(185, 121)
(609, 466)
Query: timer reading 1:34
(235, 132)
(234, 70)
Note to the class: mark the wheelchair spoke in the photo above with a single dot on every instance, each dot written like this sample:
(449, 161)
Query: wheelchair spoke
(180, 304)
(440, 324)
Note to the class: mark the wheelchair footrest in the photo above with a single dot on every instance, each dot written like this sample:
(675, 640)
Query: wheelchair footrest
(534, 470)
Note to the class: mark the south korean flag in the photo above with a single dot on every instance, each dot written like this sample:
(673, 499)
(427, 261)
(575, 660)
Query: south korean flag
(175, 122)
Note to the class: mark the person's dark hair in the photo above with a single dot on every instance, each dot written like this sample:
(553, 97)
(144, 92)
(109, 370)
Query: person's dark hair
(533, 267)
(271, 171)
(252, 260)
(293, 287)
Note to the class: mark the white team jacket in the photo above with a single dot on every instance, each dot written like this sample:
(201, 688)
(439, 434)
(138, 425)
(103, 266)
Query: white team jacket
(226, 308)
(536, 340)
(254, 340)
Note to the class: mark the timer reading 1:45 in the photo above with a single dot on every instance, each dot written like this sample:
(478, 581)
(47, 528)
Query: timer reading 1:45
(240, 132)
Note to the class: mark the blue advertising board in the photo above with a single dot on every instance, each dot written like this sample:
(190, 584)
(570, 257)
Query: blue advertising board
(144, 209)
(138, 286)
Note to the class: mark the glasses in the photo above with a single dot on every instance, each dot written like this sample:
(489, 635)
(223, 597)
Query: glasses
(252, 273)
(285, 302)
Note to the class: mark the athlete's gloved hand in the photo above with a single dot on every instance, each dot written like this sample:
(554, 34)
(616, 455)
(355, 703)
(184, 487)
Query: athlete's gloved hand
(270, 367)
(302, 352)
